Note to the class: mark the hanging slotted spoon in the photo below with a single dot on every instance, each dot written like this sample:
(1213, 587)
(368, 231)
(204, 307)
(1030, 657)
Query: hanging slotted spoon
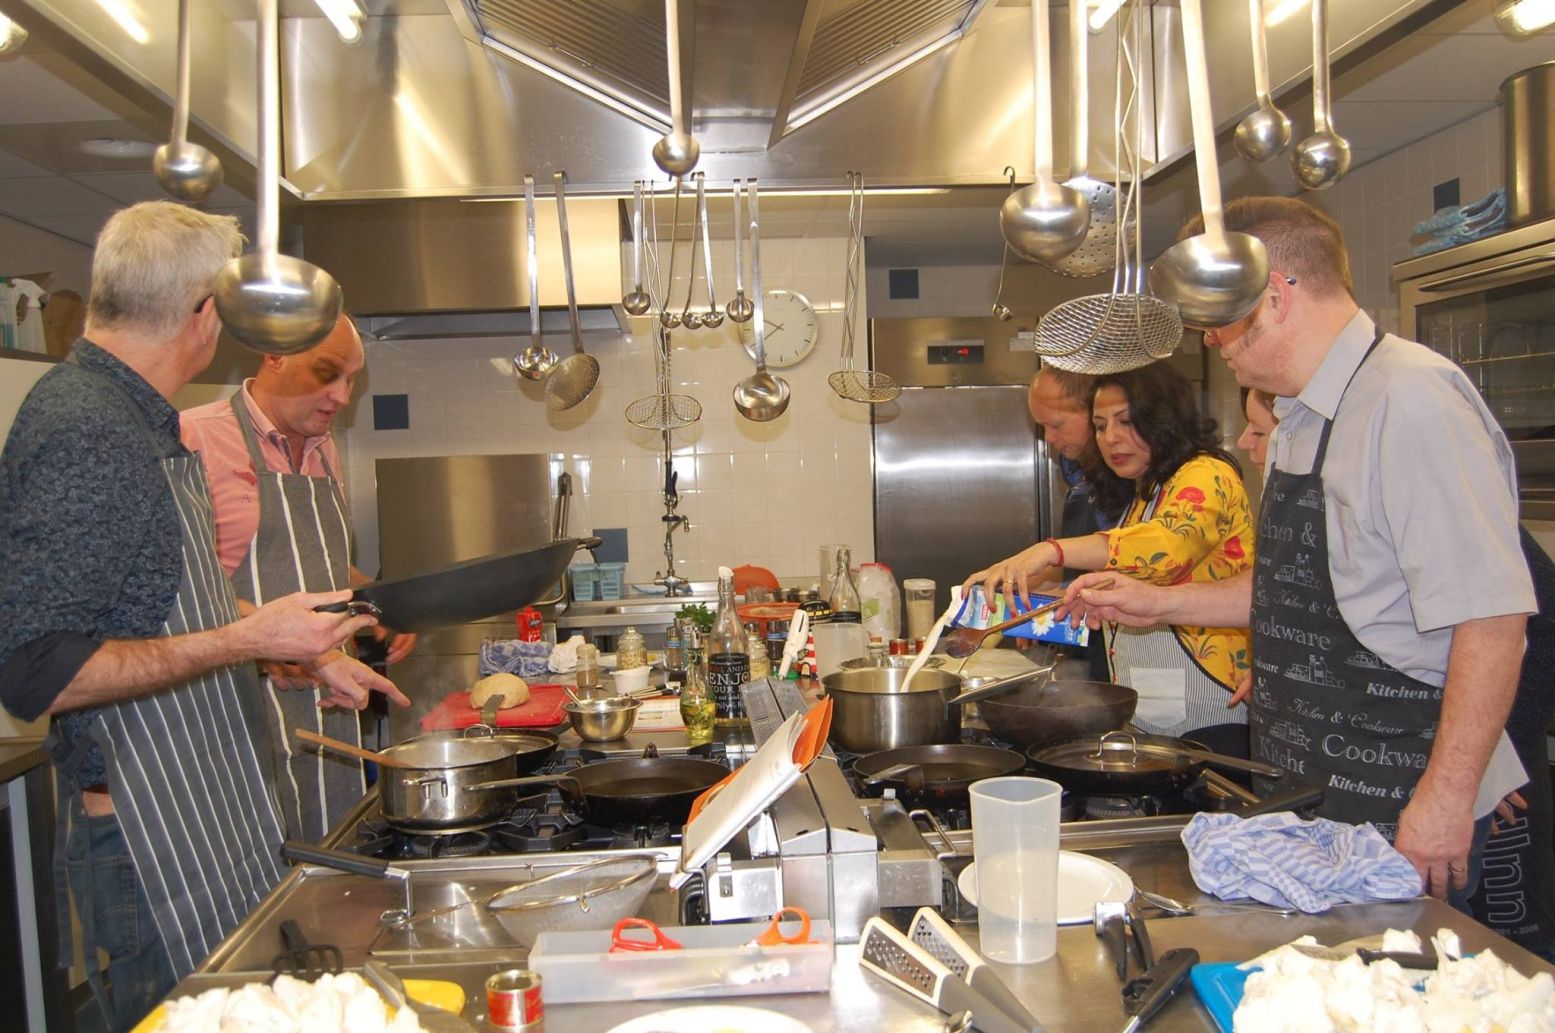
(662, 410)
(1126, 329)
(855, 385)
(761, 396)
(572, 379)
(1097, 252)
(535, 361)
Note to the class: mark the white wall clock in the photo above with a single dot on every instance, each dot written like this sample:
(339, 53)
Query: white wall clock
(791, 328)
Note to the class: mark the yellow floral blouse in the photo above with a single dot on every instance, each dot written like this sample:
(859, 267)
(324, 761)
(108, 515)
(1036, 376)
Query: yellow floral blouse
(1200, 529)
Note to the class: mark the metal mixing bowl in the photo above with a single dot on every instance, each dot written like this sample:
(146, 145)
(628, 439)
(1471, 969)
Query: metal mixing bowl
(601, 720)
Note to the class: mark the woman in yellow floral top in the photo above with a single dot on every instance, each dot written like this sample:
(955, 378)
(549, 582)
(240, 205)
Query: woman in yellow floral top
(1187, 518)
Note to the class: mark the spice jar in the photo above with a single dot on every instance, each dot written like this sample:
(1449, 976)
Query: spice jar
(756, 648)
(588, 667)
(631, 651)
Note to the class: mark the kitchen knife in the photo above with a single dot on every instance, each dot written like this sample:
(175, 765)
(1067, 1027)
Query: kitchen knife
(1148, 994)
(1407, 959)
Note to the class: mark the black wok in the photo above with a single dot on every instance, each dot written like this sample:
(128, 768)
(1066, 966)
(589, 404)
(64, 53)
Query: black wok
(1035, 714)
(1125, 764)
(940, 775)
(642, 790)
(468, 591)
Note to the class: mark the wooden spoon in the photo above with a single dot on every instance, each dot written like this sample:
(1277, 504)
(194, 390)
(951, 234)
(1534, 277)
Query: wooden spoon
(348, 749)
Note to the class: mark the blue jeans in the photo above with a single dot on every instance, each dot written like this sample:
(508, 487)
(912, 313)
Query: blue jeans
(116, 919)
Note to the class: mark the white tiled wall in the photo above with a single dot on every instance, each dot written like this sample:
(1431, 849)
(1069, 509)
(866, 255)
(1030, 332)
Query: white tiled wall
(768, 494)
(1379, 204)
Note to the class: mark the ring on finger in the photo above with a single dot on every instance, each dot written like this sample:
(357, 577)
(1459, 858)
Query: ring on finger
(1454, 869)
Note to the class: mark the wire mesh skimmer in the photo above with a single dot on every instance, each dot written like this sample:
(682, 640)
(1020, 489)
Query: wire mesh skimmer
(663, 410)
(1128, 328)
(856, 385)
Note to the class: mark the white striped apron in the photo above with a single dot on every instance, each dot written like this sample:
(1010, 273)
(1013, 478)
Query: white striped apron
(302, 544)
(189, 789)
(1175, 695)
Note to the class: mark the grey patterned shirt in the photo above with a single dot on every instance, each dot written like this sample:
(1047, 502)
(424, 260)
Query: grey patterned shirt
(90, 544)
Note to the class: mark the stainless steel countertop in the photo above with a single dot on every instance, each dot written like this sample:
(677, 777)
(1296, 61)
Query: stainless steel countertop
(1075, 990)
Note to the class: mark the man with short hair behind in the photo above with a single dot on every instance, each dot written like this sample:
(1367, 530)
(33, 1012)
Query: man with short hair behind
(282, 526)
(119, 622)
(1390, 596)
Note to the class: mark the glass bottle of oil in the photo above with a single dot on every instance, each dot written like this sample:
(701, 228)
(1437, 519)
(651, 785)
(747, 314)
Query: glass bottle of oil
(696, 706)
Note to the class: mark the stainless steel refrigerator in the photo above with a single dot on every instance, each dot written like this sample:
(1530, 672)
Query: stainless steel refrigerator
(961, 477)
(442, 509)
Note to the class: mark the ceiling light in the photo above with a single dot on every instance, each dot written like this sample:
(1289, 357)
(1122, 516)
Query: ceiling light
(127, 18)
(1276, 11)
(110, 147)
(1524, 17)
(12, 35)
(1102, 12)
(346, 17)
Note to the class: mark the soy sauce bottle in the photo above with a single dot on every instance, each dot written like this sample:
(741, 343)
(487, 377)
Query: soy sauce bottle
(728, 665)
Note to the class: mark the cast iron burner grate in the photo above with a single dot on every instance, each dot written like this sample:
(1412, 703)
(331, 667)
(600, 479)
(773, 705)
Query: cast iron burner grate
(376, 838)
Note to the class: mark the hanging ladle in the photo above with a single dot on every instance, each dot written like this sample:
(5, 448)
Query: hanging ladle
(186, 170)
(573, 378)
(274, 303)
(1322, 158)
(761, 396)
(1214, 278)
(713, 318)
(739, 308)
(1046, 220)
(637, 302)
(1265, 132)
(677, 151)
(535, 361)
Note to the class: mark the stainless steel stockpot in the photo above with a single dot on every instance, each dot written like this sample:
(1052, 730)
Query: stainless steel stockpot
(872, 712)
(442, 789)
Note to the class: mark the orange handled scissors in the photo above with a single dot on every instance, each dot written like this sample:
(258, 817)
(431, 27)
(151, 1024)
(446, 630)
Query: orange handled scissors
(773, 935)
(619, 941)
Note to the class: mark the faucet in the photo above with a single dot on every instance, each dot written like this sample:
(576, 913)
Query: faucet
(673, 584)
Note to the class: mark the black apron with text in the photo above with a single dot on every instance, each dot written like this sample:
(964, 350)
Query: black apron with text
(1323, 706)
(302, 544)
(189, 790)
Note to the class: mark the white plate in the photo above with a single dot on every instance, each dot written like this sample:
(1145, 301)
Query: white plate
(713, 1018)
(608, 660)
(1083, 882)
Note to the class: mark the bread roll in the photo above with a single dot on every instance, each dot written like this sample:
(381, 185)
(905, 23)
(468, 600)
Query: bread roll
(512, 690)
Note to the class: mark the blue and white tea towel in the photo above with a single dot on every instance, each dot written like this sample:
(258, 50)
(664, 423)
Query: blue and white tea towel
(501, 656)
(1281, 860)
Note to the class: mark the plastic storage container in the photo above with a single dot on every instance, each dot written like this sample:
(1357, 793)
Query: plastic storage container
(713, 961)
(880, 601)
(612, 580)
(585, 581)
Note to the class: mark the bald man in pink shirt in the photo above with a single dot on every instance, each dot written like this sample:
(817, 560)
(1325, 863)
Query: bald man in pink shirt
(282, 521)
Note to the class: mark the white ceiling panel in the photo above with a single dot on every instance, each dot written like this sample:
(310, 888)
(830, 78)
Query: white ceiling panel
(13, 165)
(80, 228)
(32, 92)
(132, 187)
(53, 195)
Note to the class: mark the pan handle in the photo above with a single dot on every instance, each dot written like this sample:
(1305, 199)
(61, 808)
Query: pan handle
(530, 780)
(1302, 798)
(353, 607)
(307, 853)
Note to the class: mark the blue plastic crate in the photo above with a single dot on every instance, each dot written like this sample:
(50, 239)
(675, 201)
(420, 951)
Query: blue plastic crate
(585, 582)
(612, 580)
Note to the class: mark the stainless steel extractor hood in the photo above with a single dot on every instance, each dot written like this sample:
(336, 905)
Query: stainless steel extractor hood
(448, 268)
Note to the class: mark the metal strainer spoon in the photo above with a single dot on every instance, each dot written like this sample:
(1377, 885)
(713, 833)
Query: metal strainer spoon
(186, 170)
(573, 378)
(1001, 311)
(1095, 255)
(868, 386)
(761, 396)
(535, 361)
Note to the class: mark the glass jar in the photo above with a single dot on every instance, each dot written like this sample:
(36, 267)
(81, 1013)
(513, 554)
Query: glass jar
(587, 673)
(631, 651)
(756, 648)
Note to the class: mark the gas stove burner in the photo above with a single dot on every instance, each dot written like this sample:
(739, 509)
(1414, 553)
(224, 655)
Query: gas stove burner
(1098, 808)
(646, 836)
(458, 844)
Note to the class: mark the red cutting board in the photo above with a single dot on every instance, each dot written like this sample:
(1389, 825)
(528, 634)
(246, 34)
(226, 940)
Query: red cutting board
(542, 710)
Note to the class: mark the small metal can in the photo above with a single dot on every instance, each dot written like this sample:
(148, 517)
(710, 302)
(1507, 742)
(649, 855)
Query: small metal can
(513, 1000)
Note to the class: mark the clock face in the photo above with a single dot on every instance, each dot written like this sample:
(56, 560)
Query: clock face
(791, 328)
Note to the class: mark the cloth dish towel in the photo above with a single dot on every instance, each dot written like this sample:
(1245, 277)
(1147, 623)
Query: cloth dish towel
(501, 656)
(564, 658)
(1459, 224)
(1281, 860)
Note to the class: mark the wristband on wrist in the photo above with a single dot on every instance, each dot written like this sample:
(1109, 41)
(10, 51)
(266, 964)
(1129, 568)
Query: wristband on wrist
(1058, 549)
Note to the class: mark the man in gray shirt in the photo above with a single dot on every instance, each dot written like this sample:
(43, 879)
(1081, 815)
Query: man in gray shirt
(1390, 596)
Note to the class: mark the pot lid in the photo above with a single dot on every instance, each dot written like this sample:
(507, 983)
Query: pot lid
(1118, 752)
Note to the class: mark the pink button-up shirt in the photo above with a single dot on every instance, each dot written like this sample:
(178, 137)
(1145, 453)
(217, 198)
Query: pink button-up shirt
(212, 431)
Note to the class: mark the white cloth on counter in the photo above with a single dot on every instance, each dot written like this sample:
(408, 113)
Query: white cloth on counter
(1284, 861)
(564, 658)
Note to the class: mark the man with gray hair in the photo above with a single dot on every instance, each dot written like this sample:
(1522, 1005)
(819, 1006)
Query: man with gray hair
(120, 624)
